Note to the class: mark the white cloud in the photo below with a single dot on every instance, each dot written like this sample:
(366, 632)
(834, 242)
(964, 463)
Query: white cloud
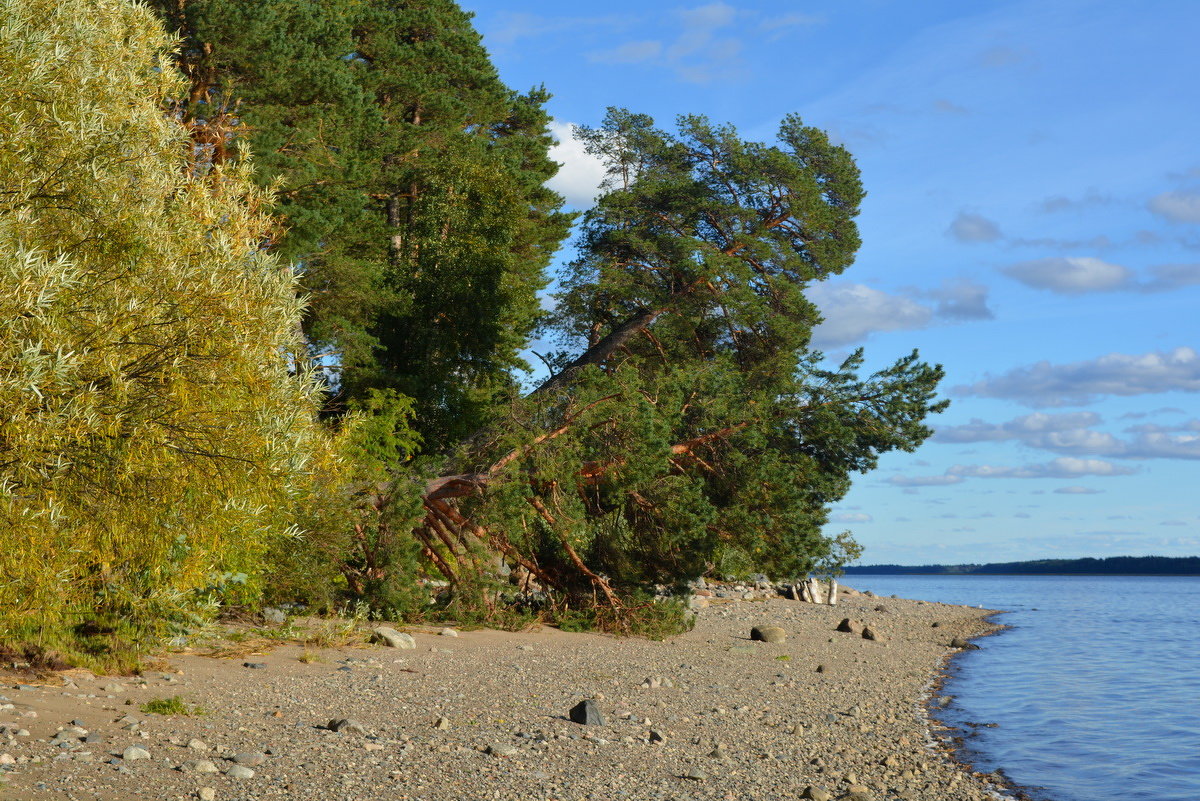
(1181, 207)
(854, 311)
(852, 517)
(579, 178)
(1072, 434)
(973, 228)
(1077, 490)
(1070, 275)
(629, 53)
(962, 299)
(1046, 384)
(1167, 277)
(1018, 428)
(924, 481)
(1063, 467)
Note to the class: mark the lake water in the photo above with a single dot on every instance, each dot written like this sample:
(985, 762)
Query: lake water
(1095, 688)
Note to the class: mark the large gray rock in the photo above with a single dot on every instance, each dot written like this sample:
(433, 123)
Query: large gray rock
(199, 766)
(239, 772)
(586, 713)
(385, 635)
(959, 642)
(346, 725)
(768, 634)
(134, 752)
(816, 793)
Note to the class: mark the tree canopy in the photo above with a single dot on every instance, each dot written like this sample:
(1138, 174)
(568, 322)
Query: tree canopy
(411, 187)
(692, 431)
(152, 418)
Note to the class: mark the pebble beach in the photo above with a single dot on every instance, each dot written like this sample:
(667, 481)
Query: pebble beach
(710, 714)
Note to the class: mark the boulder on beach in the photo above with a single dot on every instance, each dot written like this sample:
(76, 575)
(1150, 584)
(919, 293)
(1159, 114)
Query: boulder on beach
(851, 626)
(768, 634)
(385, 635)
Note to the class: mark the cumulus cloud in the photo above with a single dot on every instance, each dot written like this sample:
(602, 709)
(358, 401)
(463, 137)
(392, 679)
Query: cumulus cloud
(1180, 207)
(578, 179)
(973, 228)
(1063, 467)
(628, 53)
(1077, 490)
(1018, 428)
(854, 311)
(962, 299)
(1062, 203)
(1072, 434)
(1076, 275)
(1167, 277)
(852, 517)
(924, 481)
(1045, 384)
(1070, 275)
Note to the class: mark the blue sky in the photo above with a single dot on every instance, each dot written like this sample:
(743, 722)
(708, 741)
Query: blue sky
(1032, 224)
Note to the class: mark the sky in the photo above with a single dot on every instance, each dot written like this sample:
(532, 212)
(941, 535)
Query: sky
(1032, 224)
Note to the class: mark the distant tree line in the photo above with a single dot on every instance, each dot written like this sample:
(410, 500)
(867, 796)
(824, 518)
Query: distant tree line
(1088, 566)
(266, 292)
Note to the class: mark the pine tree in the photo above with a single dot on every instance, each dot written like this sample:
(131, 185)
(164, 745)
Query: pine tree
(412, 186)
(153, 421)
(695, 432)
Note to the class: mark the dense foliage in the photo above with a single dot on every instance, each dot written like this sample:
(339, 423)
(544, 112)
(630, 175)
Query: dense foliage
(411, 187)
(161, 451)
(695, 433)
(152, 421)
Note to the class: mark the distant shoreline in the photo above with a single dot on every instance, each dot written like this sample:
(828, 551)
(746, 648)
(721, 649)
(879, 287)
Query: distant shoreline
(1110, 566)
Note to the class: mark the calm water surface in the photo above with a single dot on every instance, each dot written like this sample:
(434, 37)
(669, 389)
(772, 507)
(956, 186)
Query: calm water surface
(1096, 687)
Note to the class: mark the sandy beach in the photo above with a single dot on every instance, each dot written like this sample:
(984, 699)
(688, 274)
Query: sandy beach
(709, 714)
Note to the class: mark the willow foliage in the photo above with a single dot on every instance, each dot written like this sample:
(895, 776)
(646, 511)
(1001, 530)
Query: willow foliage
(151, 427)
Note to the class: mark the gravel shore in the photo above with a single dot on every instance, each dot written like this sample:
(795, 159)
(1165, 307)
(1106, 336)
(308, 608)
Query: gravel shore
(711, 714)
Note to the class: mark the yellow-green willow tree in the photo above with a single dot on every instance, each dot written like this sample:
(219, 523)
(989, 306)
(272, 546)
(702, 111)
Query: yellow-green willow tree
(152, 425)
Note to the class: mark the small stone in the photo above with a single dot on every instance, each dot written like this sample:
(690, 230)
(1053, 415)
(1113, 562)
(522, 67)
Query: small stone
(850, 626)
(869, 633)
(858, 792)
(524, 647)
(385, 635)
(197, 745)
(497, 749)
(442, 724)
(255, 665)
(768, 634)
(109, 688)
(239, 772)
(816, 793)
(881, 608)
(656, 736)
(959, 642)
(854, 711)
(134, 752)
(448, 633)
(199, 766)
(696, 775)
(250, 758)
(586, 713)
(206, 794)
(821, 668)
(7, 759)
(346, 725)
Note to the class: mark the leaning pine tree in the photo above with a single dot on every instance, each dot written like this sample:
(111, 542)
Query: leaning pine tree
(695, 432)
(151, 424)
